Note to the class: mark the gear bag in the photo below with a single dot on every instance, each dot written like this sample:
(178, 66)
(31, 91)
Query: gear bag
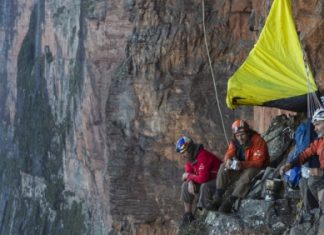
(303, 136)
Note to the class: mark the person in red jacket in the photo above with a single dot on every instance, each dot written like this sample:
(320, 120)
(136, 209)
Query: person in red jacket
(199, 177)
(247, 154)
(315, 181)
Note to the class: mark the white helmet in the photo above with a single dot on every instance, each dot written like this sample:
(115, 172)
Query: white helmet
(318, 115)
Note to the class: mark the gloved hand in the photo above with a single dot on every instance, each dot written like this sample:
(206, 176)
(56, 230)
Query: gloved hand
(228, 163)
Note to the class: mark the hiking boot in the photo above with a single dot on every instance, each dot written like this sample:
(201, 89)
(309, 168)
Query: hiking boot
(211, 207)
(226, 206)
(215, 202)
(187, 219)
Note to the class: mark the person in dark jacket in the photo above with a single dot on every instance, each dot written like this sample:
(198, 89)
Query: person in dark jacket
(247, 154)
(201, 169)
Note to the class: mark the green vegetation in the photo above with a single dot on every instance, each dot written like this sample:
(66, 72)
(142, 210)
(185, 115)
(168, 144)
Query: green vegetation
(59, 15)
(89, 6)
(73, 220)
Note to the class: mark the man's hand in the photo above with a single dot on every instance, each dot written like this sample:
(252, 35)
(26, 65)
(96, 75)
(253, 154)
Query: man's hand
(191, 187)
(185, 176)
(285, 168)
(228, 163)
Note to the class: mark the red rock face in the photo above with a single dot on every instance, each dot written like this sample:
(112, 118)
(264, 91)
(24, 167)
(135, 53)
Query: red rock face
(171, 81)
(123, 80)
(309, 22)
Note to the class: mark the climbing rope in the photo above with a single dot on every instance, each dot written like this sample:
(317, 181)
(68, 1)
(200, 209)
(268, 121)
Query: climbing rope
(313, 102)
(212, 73)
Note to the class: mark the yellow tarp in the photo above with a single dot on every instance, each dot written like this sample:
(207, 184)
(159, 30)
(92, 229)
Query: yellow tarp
(275, 68)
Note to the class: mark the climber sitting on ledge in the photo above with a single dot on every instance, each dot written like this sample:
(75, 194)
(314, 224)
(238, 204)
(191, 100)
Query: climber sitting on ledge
(315, 181)
(247, 154)
(199, 178)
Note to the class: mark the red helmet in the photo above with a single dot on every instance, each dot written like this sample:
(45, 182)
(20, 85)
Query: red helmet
(239, 125)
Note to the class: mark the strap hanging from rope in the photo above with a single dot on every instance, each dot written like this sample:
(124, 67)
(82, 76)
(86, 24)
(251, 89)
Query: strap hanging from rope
(212, 73)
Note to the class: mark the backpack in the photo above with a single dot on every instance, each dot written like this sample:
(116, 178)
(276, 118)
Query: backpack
(303, 136)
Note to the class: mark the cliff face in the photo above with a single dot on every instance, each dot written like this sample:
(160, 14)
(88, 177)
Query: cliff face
(57, 61)
(94, 94)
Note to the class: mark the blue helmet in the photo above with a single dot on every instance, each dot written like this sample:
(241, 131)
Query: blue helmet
(183, 143)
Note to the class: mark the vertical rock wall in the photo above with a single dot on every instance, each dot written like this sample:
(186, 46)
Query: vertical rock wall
(57, 59)
(94, 94)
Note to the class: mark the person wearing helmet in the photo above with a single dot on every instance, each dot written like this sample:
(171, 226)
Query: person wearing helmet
(246, 155)
(315, 181)
(201, 169)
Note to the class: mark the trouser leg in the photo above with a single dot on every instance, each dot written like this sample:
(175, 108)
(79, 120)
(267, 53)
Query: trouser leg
(185, 195)
(309, 201)
(205, 193)
(315, 184)
(226, 177)
(242, 186)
